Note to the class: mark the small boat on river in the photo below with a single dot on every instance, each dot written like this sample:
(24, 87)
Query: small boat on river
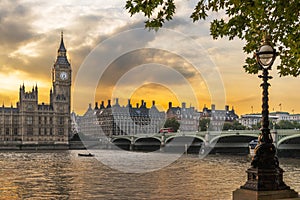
(252, 146)
(86, 154)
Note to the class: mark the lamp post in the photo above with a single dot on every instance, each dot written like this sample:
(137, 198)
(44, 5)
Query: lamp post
(265, 177)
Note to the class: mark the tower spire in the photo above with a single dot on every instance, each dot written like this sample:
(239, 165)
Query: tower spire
(62, 53)
(62, 49)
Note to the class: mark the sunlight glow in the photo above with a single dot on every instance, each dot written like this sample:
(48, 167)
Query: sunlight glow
(28, 50)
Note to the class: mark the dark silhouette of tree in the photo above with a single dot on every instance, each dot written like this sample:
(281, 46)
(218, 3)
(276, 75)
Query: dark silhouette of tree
(172, 123)
(245, 19)
(203, 124)
(235, 125)
(284, 124)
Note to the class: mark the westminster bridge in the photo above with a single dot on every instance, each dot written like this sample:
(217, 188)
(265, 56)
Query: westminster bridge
(222, 141)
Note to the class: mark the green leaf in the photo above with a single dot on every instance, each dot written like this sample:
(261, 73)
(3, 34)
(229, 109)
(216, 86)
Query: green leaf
(245, 19)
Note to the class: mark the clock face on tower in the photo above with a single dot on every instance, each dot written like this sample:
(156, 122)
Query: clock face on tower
(63, 76)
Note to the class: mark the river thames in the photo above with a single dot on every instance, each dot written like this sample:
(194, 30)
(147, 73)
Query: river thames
(64, 175)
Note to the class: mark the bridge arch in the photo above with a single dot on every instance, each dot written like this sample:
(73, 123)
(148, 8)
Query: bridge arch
(147, 144)
(184, 143)
(287, 138)
(121, 140)
(185, 136)
(147, 138)
(237, 137)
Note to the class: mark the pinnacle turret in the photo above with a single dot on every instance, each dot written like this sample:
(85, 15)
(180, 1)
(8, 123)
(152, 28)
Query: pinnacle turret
(62, 54)
(62, 49)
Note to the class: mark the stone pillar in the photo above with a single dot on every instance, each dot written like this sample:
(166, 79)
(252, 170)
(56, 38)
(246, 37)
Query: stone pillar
(131, 147)
(162, 144)
(274, 137)
(207, 139)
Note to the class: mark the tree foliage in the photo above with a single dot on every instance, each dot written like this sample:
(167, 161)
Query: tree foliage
(257, 126)
(284, 124)
(245, 19)
(233, 126)
(203, 124)
(173, 123)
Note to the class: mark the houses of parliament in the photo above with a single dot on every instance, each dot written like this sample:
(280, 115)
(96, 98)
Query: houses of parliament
(32, 123)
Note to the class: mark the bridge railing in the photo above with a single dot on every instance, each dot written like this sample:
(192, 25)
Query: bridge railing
(280, 132)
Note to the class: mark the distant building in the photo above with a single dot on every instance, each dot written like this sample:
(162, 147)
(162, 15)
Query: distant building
(121, 120)
(31, 122)
(281, 115)
(174, 112)
(225, 115)
(250, 120)
(295, 118)
(74, 125)
(187, 117)
(88, 123)
(218, 117)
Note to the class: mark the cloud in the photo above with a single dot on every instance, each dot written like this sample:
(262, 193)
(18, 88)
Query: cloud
(14, 28)
(149, 57)
(148, 67)
(30, 35)
(26, 32)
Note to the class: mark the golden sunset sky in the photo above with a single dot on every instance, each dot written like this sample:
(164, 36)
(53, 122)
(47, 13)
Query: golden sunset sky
(113, 56)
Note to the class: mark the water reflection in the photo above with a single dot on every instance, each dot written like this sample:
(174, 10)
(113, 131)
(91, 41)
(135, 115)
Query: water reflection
(64, 175)
(34, 175)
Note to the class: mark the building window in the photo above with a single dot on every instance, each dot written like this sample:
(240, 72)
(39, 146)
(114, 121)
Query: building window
(51, 131)
(7, 131)
(45, 120)
(15, 120)
(29, 131)
(15, 131)
(61, 120)
(45, 131)
(7, 120)
(40, 132)
(60, 131)
(29, 120)
(40, 120)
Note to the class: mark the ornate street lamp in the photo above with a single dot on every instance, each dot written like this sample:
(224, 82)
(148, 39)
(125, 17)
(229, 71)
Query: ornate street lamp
(265, 177)
(265, 57)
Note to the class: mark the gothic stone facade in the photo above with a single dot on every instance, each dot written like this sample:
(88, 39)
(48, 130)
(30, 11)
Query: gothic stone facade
(33, 123)
(121, 120)
(187, 117)
(218, 117)
(129, 120)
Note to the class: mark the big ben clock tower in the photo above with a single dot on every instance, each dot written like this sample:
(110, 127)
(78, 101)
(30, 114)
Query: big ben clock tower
(60, 97)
